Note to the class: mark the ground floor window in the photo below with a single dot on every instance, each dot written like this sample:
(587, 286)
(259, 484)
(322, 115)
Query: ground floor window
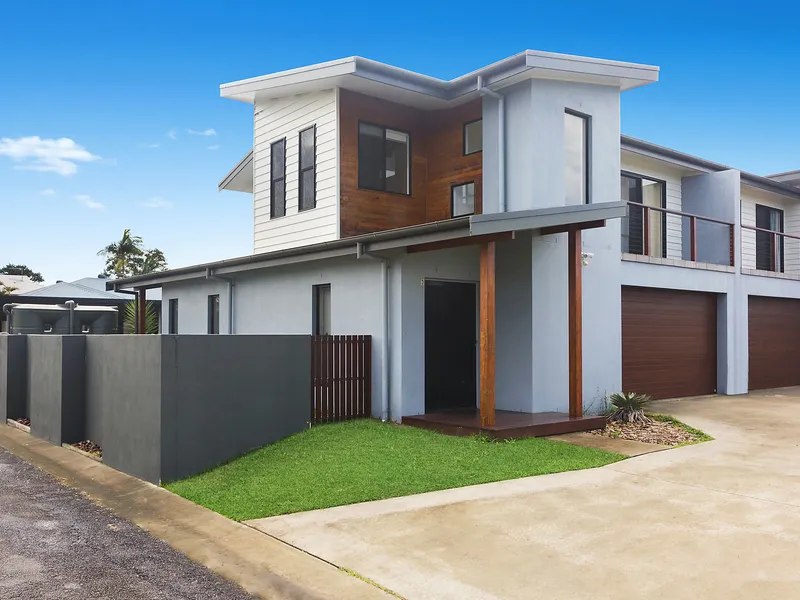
(173, 315)
(213, 313)
(322, 309)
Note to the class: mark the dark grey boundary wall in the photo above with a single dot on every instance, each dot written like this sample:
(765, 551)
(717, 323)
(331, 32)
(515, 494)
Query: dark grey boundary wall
(13, 377)
(123, 401)
(223, 395)
(56, 386)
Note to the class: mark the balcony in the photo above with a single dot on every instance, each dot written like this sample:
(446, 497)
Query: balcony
(665, 236)
(770, 253)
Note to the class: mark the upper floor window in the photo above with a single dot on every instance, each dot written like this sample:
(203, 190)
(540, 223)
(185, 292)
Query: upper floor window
(462, 199)
(769, 247)
(645, 191)
(277, 187)
(384, 159)
(308, 170)
(473, 137)
(576, 158)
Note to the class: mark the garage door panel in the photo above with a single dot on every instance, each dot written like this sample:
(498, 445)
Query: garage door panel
(669, 342)
(773, 342)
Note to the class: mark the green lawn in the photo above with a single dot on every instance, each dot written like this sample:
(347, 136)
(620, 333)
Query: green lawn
(355, 461)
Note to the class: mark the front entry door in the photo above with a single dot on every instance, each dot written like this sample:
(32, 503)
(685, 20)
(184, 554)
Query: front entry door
(450, 345)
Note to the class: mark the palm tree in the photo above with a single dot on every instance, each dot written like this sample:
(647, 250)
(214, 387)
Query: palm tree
(123, 258)
(7, 290)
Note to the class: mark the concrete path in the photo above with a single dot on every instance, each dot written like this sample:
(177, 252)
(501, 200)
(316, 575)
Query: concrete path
(56, 544)
(719, 520)
(262, 565)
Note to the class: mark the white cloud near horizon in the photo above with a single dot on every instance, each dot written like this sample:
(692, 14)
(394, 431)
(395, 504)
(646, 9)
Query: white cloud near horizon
(213, 147)
(48, 192)
(87, 201)
(157, 202)
(46, 155)
(204, 132)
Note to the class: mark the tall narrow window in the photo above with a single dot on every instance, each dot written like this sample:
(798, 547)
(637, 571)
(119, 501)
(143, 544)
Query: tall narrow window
(277, 188)
(384, 159)
(173, 315)
(462, 200)
(473, 137)
(576, 158)
(308, 168)
(636, 190)
(322, 309)
(213, 313)
(769, 247)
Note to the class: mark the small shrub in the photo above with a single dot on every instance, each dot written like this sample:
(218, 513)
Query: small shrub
(628, 407)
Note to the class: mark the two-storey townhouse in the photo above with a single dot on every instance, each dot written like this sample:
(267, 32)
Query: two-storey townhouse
(504, 246)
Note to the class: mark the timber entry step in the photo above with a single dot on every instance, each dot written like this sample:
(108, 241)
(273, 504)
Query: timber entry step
(508, 424)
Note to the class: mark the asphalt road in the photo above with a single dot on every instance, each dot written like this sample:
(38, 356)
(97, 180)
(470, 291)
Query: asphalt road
(56, 544)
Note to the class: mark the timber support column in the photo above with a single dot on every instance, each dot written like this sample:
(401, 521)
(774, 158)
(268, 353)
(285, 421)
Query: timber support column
(575, 323)
(487, 334)
(141, 307)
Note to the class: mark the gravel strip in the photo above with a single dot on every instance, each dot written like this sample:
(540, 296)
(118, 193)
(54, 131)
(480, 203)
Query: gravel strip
(657, 432)
(56, 544)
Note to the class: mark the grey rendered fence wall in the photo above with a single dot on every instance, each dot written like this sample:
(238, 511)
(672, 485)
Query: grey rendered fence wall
(225, 395)
(13, 377)
(162, 407)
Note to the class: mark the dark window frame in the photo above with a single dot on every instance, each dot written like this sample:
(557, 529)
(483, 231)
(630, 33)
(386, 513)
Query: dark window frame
(464, 137)
(213, 311)
(301, 169)
(453, 187)
(410, 160)
(632, 175)
(273, 180)
(587, 152)
(779, 268)
(173, 315)
(315, 306)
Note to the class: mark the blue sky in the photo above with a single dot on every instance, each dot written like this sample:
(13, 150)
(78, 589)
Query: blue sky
(116, 78)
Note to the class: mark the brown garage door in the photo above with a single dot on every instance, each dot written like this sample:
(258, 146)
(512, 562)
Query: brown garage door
(669, 342)
(774, 342)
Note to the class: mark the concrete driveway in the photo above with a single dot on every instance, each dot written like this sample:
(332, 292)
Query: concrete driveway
(716, 520)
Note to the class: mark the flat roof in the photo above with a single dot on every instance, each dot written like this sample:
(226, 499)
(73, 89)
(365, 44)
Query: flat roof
(416, 89)
(391, 239)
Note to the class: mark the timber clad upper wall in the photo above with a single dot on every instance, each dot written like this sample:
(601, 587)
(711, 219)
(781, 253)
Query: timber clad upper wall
(436, 157)
(791, 225)
(286, 117)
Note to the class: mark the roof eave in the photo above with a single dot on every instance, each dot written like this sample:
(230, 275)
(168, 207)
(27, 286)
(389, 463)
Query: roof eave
(228, 180)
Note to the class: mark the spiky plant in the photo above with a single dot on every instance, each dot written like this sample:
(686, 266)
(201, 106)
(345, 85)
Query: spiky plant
(629, 407)
(150, 317)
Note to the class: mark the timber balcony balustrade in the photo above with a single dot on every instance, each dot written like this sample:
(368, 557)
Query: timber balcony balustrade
(672, 237)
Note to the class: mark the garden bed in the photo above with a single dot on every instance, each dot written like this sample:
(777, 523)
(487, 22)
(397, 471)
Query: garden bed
(87, 448)
(663, 430)
(22, 424)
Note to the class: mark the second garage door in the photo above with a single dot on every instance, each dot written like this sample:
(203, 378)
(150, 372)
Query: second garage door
(774, 342)
(669, 342)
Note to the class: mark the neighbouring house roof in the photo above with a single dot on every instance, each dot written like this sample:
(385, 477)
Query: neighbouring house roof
(21, 283)
(391, 239)
(76, 291)
(415, 89)
(693, 162)
(789, 177)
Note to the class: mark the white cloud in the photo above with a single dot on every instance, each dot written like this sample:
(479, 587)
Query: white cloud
(88, 202)
(150, 145)
(156, 202)
(204, 132)
(171, 134)
(214, 147)
(48, 192)
(45, 155)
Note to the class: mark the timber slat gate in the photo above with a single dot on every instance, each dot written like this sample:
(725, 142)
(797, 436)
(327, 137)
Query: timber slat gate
(341, 377)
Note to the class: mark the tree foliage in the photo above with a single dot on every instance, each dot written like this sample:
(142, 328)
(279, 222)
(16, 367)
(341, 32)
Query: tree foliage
(24, 270)
(128, 257)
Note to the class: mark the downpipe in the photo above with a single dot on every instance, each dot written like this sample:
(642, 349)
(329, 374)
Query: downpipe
(501, 141)
(363, 253)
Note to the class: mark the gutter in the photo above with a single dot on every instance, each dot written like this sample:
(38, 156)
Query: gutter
(501, 141)
(231, 285)
(361, 253)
